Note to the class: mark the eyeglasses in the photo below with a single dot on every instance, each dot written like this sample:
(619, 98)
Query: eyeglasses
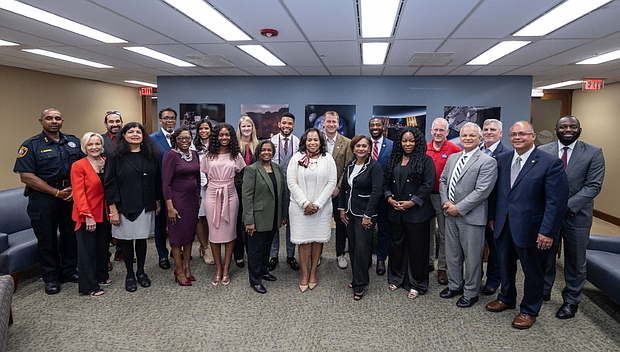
(440, 130)
(519, 134)
(112, 112)
(168, 118)
(184, 138)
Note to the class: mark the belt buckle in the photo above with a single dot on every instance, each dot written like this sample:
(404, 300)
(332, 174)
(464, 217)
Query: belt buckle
(64, 183)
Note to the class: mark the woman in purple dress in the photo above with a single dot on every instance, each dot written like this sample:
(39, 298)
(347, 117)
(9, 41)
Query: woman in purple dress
(181, 186)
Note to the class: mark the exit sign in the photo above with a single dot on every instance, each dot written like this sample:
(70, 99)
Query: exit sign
(146, 91)
(592, 85)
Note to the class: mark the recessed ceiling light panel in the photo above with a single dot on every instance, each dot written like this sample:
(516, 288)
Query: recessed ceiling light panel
(498, 51)
(66, 58)
(261, 54)
(158, 56)
(377, 17)
(614, 55)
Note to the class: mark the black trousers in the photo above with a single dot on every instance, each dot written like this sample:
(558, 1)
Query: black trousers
(240, 241)
(360, 251)
(259, 245)
(92, 250)
(341, 229)
(49, 215)
(161, 226)
(408, 252)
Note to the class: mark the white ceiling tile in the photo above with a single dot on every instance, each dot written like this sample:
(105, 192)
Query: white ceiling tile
(345, 70)
(432, 19)
(325, 20)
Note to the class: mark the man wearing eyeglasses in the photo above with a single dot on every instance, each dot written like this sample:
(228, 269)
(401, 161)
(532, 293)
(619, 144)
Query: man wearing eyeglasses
(439, 149)
(525, 212)
(44, 165)
(167, 121)
(113, 122)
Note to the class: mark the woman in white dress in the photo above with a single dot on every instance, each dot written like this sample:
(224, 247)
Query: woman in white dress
(311, 178)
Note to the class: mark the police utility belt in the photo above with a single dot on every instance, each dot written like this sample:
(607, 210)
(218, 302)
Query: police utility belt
(60, 184)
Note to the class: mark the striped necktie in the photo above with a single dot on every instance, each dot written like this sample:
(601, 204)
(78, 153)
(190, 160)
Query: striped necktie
(455, 177)
(375, 151)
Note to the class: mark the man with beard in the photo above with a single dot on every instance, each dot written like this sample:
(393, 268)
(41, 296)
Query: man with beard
(113, 122)
(286, 145)
(585, 168)
(167, 121)
(44, 165)
(380, 151)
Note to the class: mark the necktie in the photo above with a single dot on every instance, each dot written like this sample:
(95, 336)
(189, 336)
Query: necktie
(514, 170)
(564, 157)
(286, 146)
(488, 152)
(375, 151)
(247, 154)
(455, 177)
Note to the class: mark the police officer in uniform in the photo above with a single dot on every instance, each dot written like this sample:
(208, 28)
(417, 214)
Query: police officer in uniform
(44, 164)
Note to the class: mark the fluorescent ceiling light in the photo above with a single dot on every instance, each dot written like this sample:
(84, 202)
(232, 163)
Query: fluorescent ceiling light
(158, 56)
(57, 21)
(537, 93)
(5, 43)
(561, 15)
(614, 55)
(209, 18)
(261, 54)
(144, 84)
(374, 53)
(66, 58)
(561, 84)
(500, 50)
(377, 17)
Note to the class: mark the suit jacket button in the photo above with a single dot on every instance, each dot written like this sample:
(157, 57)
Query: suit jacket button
(394, 181)
(409, 195)
(407, 180)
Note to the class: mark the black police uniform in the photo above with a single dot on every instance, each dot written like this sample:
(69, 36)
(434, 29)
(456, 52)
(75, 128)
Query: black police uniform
(51, 161)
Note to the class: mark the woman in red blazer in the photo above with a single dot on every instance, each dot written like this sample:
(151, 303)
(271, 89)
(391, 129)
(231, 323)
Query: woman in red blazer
(90, 215)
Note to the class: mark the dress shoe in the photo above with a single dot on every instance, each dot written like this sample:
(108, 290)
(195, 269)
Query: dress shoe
(488, 290)
(448, 293)
(118, 256)
(273, 263)
(130, 285)
(164, 263)
(547, 297)
(70, 278)
(52, 287)
(259, 288)
(566, 311)
(442, 277)
(381, 268)
(342, 261)
(292, 263)
(240, 263)
(498, 306)
(269, 277)
(466, 302)
(144, 280)
(523, 321)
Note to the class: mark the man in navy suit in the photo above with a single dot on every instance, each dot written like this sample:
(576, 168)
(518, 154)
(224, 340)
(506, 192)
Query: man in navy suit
(585, 169)
(525, 212)
(380, 150)
(167, 121)
(492, 146)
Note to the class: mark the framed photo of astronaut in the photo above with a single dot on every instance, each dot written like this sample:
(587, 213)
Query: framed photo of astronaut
(265, 117)
(346, 114)
(458, 116)
(396, 117)
(190, 114)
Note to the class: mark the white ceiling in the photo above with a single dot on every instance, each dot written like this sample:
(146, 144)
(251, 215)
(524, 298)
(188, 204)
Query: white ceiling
(317, 37)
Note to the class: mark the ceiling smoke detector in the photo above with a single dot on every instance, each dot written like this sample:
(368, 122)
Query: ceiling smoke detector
(269, 33)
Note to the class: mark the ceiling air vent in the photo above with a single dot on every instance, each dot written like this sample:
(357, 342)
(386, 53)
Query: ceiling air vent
(210, 61)
(430, 59)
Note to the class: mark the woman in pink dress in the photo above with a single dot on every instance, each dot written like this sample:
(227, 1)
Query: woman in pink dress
(221, 164)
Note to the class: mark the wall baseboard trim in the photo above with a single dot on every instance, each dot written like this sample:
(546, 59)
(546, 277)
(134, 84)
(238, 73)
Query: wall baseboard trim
(604, 216)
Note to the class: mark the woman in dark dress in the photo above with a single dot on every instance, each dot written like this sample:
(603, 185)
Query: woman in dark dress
(407, 184)
(181, 187)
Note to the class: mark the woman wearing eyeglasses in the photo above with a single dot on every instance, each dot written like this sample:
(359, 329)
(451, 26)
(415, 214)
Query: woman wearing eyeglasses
(181, 187)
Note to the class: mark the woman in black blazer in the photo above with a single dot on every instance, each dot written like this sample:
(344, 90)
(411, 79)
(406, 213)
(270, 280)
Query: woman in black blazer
(360, 192)
(408, 181)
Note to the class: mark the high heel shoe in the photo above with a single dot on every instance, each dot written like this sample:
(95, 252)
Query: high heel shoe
(181, 283)
(190, 277)
(303, 288)
(312, 285)
(207, 256)
(225, 280)
(216, 280)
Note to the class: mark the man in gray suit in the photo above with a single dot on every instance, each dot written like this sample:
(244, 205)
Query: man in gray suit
(464, 186)
(585, 168)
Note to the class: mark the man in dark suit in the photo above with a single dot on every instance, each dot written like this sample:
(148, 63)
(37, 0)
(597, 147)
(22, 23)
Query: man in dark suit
(584, 165)
(167, 121)
(381, 149)
(492, 145)
(113, 122)
(526, 211)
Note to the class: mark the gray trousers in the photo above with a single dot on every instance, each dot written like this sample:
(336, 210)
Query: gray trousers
(464, 245)
(441, 232)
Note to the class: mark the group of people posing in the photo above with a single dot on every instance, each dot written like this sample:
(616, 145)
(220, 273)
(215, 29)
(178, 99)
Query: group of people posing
(229, 189)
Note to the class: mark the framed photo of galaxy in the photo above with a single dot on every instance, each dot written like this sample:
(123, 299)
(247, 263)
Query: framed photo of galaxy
(395, 117)
(265, 117)
(346, 117)
(458, 116)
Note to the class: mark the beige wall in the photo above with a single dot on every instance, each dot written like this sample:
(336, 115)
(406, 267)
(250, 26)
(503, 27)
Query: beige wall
(598, 113)
(83, 103)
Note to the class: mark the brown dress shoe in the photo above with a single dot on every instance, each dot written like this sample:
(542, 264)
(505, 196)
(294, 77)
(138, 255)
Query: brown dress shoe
(442, 277)
(523, 321)
(498, 306)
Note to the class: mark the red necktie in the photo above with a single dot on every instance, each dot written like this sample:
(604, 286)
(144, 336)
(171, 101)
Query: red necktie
(285, 146)
(247, 154)
(564, 157)
(375, 151)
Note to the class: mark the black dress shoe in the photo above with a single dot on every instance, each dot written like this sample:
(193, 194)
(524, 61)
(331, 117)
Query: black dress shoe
(566, 311)
(488, 290)
(70, 278)
(466, 302)
(547, 297)
(269, 277)
(292, 263)
(130, 285)
(381, 268)
(144, 280)
(52, 287)
(273, 263)
(240, 264)
(259, 288)
(448, 293)
(164, 263)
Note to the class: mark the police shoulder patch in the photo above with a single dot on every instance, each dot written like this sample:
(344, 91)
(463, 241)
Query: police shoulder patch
(22, 151)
